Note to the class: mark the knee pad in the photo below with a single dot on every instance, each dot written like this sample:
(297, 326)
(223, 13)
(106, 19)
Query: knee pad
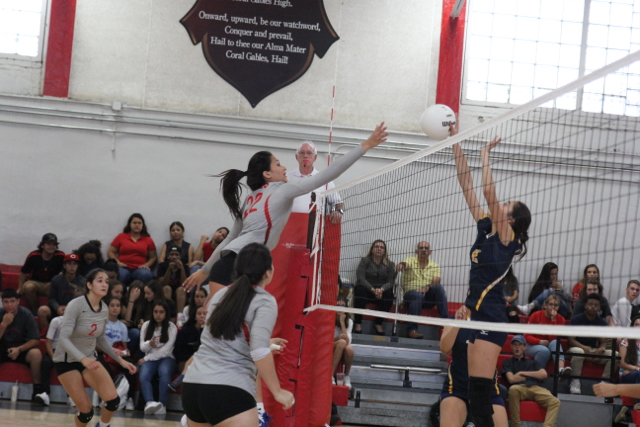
(85, 417)
(480, 401)
(112, 405)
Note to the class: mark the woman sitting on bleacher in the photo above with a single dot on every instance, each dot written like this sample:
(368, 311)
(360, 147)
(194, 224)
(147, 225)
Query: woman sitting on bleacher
(547, 284)
(134, 251)
(541, 347)
(342, 349)
(158, 340)
(376, 276)
(90, 257)
(144, 301)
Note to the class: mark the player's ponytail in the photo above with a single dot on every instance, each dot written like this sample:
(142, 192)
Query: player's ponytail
(226, 321)
(522, 220)
(230, 182)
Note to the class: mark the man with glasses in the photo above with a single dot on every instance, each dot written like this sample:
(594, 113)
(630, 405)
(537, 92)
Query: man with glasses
(421, 286)
(587, 346)
(306, 155)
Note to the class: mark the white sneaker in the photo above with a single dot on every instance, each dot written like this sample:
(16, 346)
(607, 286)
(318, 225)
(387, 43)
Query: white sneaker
(526, 308)
(42, 398)
(70, 402)
(151, 407)
(162, 410)
(575, 387)
(346, 381)
(184, 421)
(129, 405)
(333, 380)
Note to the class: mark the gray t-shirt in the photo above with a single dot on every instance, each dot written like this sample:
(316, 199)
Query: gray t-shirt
(266, 210)
(22, 329)
(82, 328)
(223, 362)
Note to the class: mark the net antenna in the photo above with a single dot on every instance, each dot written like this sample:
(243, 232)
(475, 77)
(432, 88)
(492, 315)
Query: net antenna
(577, 171)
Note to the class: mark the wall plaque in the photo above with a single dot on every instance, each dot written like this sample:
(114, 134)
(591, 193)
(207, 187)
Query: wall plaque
(260, 46)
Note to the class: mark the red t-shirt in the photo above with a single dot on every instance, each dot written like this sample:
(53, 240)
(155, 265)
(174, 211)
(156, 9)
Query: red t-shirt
(576, 291)
(134, 254)
(540, 318)
(207, 251)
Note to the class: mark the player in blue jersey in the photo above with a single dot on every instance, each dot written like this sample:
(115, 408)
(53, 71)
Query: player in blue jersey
(454, 406)
(502, 235)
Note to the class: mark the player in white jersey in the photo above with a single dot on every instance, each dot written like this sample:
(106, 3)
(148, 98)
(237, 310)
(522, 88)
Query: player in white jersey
(265, 211)
(82, 329)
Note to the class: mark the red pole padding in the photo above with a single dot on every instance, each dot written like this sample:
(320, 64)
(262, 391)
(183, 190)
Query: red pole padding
(451, 56)
(59, 48)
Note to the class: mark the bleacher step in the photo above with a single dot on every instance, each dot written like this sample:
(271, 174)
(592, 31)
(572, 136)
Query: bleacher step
(396, 395)
(378, 352)
(369, 375)
(383, 417)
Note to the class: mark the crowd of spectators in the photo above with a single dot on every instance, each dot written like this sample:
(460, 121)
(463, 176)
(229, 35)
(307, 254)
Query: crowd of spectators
(153, 322)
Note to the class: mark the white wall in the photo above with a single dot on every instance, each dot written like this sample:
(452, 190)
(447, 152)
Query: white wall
(383, 66)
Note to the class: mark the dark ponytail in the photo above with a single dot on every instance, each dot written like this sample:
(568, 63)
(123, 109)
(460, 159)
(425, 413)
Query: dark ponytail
(164, 334)
(253, 261)
(522, 220)
(230, 182)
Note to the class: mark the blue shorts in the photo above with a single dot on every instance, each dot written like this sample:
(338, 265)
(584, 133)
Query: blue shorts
(495, 400)
(497, 338)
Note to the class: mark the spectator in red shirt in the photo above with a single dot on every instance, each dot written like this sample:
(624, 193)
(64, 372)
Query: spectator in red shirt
(40, 267)
(134, 251)
(205, 248)
(591, 271)
(541, 347)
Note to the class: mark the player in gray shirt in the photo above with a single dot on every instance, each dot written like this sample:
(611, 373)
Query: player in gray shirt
(82, 328)
(263, 215)
(220, 383)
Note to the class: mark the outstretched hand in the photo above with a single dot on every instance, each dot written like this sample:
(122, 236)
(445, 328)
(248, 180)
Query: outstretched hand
(493, 143)
(378, 136)
(194, 280)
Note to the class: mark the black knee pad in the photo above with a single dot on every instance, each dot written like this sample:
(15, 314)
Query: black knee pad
(480, 401)
(112, 405)
(85, 417)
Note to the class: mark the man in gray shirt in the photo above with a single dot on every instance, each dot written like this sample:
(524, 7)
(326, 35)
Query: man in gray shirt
(19, 340)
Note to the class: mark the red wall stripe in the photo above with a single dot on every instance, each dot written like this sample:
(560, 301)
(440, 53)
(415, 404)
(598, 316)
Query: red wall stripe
(451, 56)
(59, 48)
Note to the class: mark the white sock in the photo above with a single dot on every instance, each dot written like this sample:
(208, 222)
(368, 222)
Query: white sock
(103, 424)
(260, 406)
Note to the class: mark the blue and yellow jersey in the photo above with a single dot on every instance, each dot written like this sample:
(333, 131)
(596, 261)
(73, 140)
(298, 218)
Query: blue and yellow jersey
(490, 259)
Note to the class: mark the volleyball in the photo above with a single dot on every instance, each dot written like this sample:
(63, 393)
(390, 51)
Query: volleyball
(435, 121)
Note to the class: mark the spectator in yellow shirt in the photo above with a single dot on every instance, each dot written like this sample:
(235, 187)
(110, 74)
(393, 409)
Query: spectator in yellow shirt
(421, 286)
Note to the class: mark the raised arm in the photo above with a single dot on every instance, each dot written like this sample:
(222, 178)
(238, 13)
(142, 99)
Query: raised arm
(466, 183)
(336, 168)
(498, 215)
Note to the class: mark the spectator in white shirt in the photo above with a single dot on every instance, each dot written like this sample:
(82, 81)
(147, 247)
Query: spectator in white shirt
(621, 310)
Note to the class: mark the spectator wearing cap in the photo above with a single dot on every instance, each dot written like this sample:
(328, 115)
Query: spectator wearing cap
(19, 340)
(64, 287)
(525, 377)
(40, 267)
(172, 273)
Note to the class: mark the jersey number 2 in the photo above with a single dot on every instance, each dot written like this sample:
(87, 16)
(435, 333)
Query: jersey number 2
(94, 328)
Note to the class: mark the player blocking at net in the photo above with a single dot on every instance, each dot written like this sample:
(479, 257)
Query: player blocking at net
(502, 235)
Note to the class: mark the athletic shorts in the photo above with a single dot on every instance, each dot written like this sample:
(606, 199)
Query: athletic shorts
(4, 356)
(495, 400)
(64, 367)
(213, 403)
(497, 338)
(222, 270)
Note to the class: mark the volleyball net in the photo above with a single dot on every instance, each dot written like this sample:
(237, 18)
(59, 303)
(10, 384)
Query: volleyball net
(577, 171)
